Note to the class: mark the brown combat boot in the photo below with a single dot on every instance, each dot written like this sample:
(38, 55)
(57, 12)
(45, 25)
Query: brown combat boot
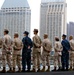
(14, 70)
(48, 69)
(70, 68)
(33, 70)
(3, 71)
(38, 70)
(43, 70)
(54, 69)
(10, 70)
(59, 69)
(19, 70)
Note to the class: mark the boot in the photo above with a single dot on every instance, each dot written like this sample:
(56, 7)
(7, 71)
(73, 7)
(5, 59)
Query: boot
(43, 70)
(28, 71)
(59, 69)
(38, 70)
(14, 70)
(3, 71)
(48, 69)
(19, 70)
(33, 70)
(10, 70)
(54, 69)
(70, 68)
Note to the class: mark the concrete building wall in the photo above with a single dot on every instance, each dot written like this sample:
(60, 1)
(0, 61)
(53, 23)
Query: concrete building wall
(53, 19)
(70, 29)
(15, 19)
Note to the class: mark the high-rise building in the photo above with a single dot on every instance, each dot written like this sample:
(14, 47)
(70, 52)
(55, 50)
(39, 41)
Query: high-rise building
(70, 29)
(15, 15)
(53, 18)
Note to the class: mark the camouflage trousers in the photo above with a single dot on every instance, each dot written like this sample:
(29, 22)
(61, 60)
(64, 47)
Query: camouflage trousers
(16, 60)
(57, 61)
(72, 59)
(45, 58)
(36, 60)
(6, 57)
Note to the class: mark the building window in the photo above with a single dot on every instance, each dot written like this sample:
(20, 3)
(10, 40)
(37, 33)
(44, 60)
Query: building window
(50, 6)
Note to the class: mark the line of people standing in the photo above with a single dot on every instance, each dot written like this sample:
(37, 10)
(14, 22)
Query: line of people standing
(12, 49)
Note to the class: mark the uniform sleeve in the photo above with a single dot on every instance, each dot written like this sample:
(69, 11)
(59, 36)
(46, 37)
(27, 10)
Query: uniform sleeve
(14, 44)
(4, 44)
(31, 45)
(24, 42)
(56, 47)
(64, 45)
(21, 45)
(61, 48)
(35, 43)
(72, 48)
(46, 47)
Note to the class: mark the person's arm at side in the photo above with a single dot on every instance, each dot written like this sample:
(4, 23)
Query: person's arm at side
(35, 43)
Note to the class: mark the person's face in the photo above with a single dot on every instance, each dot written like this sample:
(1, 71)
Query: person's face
(34, 32)
(24, 34)
(4, 33)
(63, 37)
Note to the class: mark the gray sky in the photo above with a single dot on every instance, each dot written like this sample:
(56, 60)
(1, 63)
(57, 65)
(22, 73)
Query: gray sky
(35, 8)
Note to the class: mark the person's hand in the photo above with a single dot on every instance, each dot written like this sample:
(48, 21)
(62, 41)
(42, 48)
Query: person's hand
(48, 51)
(9, 48)
(68, 50)
(40, 46)
(28, 47)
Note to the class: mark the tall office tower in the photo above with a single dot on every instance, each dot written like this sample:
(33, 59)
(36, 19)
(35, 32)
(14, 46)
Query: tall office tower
(70, 29)
(53, 18)
(15, 16)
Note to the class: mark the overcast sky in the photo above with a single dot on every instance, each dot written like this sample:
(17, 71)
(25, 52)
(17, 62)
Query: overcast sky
(35, 8)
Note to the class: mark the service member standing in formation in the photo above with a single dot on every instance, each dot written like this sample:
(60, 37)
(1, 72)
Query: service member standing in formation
(47, 47)
(58, 52)
(65, 53)
(6, 51)
(71, 53)
(26, 52)
(36, 51)
(1, 44)
(17, 47)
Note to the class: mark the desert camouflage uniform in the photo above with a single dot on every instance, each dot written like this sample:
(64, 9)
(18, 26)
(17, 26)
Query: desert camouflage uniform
(58, 52)
(72, 53)
(1, 44)
(17, 46)
(36, 51)
(6, 51)
(47, 46)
